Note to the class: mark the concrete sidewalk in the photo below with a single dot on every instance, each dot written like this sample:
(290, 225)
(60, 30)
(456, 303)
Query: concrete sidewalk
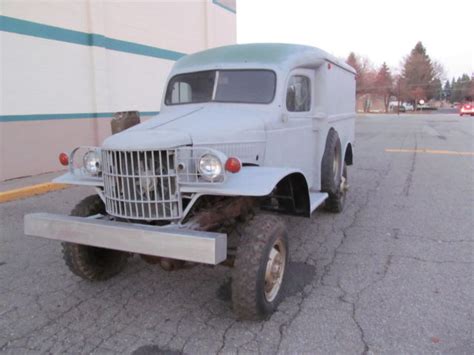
(25, 187)
(26, 181)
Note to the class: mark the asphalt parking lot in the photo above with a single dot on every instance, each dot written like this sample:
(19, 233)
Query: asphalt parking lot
(392, 274)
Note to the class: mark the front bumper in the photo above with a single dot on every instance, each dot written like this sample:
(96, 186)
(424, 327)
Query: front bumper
(168, 241)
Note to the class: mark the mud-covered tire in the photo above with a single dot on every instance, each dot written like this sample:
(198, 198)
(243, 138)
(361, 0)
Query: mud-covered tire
(335, 203)
(333, 169)
(249, 296)
(87, 262)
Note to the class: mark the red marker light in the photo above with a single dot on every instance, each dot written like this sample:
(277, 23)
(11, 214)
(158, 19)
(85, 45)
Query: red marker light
(64, 159)
(233, 165)
(329, 65)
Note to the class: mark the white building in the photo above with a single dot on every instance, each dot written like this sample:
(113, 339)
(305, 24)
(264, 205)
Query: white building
(67, 66)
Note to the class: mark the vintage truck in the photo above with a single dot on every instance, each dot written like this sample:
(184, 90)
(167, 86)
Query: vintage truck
(246, 133)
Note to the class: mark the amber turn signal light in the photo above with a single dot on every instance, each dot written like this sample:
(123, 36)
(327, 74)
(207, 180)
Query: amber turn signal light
(233, 165)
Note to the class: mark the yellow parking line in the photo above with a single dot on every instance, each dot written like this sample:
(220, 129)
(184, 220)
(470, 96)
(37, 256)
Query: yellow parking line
(29, 191)
(427, 151)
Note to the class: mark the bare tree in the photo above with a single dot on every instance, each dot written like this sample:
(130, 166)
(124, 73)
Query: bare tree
(365, 76)
(439, 71)
(383, 84)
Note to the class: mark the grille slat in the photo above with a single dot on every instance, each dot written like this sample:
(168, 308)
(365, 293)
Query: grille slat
(141, 185)
(147, 190)
(160, 167)
(120, 182)
(153, 166)
(127, 179)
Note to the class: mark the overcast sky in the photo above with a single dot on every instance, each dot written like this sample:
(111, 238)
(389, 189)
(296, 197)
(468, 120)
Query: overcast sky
(380, 30)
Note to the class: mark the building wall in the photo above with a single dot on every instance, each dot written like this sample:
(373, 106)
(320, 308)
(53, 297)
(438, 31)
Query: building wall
(67, 66)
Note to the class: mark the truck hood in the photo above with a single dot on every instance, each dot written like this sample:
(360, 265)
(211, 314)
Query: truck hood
(210, 124)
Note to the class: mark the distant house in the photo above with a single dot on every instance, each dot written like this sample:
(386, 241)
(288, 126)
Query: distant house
(370, 103)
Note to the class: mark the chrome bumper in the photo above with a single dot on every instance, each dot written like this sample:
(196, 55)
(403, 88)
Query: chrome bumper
(169, 241)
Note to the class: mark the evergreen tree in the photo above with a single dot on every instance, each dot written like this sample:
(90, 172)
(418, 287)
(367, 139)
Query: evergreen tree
(419, 75)
(465, 85)
(447, 91)
(437, 89)
(453, 92)
(457, 90)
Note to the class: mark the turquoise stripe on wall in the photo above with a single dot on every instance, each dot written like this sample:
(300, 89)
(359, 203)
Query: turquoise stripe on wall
(63, 116)
(221, 4)
(34, 29)
(39, 30)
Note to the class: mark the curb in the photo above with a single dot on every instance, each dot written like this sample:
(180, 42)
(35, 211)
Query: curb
(30, 191)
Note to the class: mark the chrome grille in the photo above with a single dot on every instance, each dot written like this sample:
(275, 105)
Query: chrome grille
(141, 184)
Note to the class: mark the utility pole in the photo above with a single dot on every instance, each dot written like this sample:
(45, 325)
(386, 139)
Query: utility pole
(398, 110)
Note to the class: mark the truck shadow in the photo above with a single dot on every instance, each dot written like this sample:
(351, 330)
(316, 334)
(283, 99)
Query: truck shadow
(299, 275)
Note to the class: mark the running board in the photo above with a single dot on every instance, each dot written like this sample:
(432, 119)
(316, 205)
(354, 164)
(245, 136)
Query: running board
(316, 199)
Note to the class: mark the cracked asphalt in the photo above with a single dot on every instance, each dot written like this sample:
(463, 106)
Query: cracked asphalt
(392, 274)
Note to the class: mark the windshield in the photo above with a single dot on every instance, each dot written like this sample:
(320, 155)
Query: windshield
(241, 86)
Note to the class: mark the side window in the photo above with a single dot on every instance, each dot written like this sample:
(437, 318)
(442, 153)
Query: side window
(190, 88)
(181, 93)
(298, 94)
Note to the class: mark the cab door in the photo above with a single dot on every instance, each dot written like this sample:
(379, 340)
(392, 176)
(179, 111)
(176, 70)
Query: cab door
(292, 138)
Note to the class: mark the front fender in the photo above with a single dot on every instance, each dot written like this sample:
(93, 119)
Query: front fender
(250, 181)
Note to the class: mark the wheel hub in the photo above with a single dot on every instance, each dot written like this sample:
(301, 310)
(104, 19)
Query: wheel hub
(275, 270)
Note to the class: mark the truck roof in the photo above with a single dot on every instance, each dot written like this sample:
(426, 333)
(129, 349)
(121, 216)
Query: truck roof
(277, 55)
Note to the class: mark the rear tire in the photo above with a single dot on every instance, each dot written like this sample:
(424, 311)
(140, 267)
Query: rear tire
(333, 174)
(335, 203)
(260, 267)
(87, 262)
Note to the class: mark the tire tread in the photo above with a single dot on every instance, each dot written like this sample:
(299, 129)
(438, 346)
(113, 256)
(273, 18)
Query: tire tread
(250, 252)
(78, 257)
(330, 183)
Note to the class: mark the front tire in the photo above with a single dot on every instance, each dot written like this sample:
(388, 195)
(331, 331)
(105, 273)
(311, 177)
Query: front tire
(87, 262)
(260, 268)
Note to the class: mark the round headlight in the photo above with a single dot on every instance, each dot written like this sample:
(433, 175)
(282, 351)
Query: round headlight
(92, 162)
(210, 167)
